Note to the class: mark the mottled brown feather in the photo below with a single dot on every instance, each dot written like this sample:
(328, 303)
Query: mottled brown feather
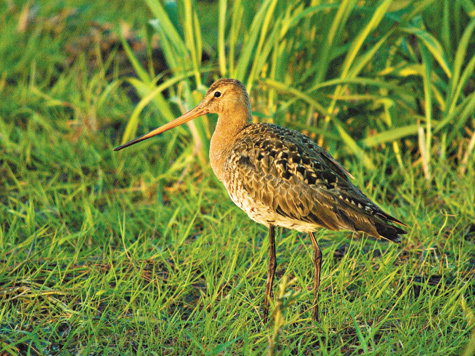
(290, 177)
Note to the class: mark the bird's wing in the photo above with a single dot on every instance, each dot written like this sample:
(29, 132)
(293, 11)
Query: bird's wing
(287, 172)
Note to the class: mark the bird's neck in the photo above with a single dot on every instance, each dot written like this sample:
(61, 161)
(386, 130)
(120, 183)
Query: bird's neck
(227, 131)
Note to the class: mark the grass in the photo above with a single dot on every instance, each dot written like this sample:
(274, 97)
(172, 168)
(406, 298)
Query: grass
(142, 252)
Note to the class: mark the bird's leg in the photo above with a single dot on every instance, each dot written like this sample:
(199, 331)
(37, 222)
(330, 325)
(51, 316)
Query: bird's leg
(270, 270)
(317, 264)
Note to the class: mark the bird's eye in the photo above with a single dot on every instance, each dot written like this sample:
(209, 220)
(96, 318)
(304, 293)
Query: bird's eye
(217, 94)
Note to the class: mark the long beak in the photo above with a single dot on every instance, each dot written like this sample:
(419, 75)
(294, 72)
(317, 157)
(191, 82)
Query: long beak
(190, 115)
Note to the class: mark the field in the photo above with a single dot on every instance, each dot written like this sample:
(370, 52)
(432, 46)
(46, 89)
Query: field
(142, 252)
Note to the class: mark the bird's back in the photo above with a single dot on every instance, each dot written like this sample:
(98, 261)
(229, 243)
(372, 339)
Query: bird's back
(281, 177)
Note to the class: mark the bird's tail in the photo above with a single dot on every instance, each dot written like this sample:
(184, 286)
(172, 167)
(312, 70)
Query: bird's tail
(389, 231)
(378, 225)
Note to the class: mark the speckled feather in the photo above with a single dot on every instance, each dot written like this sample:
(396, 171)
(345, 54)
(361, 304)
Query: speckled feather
(281, 177)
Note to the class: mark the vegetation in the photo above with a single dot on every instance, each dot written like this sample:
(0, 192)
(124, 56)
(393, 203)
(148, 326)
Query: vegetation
(142, 252)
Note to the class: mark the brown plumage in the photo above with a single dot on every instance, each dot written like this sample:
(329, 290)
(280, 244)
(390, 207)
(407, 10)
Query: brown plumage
(280, 177)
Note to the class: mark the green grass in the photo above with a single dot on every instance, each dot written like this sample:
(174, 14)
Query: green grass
(142, 251)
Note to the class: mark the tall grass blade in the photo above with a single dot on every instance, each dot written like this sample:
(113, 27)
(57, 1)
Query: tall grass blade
(457, 82)
(333, 37)
(427, 65)
(433, 45)
(223, 4)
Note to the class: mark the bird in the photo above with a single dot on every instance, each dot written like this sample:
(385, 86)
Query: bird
(281, 177)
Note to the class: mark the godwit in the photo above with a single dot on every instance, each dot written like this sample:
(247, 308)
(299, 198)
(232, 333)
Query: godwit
(280, 177)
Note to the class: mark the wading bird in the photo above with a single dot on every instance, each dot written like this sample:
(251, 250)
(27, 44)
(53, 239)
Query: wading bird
(280, 177)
